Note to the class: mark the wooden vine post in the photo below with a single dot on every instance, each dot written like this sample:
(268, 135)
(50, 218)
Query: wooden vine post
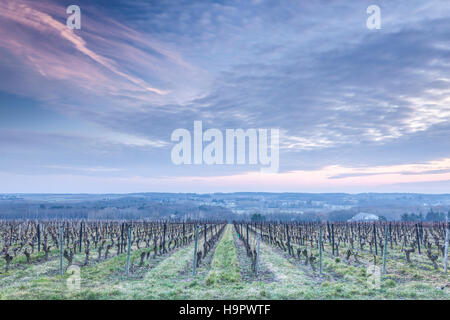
(375, 238)
(288, 238)
(390, 234)
(96, 235)
(247, 234)
(257, 253)
(320, 249)
(60, 251)
(447, 235)
(122, 244)
(270, 234)
(164, 237)
(329, 232)
(194, 267)
(359, 236)
(332, 236)
(81, 235)
(417, 238)
(385, 249)
(39, 237)
(300, 235)
(129, 249)
(352, 239)
(420, 230)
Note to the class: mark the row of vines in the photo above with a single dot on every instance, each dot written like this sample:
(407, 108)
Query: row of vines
(408, 242)
(28, 242)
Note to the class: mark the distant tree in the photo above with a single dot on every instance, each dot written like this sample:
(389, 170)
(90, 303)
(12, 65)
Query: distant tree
(434, 216)
(412, 217)
(257, 217)
(341, 215)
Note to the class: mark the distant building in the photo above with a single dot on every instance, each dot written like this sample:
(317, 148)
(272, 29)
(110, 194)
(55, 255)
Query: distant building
(363, 216)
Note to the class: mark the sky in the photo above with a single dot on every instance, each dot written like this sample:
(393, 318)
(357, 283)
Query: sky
(92, 110)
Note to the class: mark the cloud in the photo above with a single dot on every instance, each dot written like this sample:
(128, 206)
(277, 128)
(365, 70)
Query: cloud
(344, 97)
(326, 179)
(334, 177)
(44, 23)
(133, 141)
(83, 169)
(101, 58)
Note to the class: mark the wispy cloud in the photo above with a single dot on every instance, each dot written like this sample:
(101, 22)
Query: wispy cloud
(83, 169)
(411, 178)
(334, 177)
(97, 58)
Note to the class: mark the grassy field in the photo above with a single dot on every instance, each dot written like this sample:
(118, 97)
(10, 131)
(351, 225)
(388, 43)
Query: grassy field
(225, 273)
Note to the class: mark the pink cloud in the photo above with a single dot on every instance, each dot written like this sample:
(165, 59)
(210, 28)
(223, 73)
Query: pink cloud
(366, 177)
(295, 181)
(98, 58)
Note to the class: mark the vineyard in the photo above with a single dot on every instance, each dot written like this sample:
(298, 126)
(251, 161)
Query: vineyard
(71, 259)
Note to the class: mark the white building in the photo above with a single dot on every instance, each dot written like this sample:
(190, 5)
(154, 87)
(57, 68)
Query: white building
(363, 216)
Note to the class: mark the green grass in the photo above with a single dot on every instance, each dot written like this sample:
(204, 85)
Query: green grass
(225, 267)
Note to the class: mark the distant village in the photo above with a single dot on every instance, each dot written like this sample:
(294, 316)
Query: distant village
(230, 206)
